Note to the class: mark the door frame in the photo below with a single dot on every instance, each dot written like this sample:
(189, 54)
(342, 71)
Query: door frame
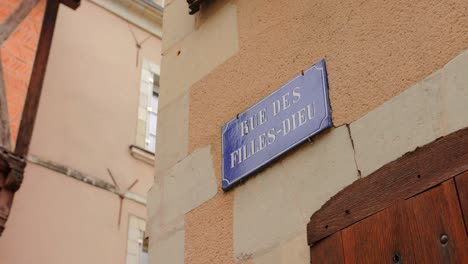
(411, 174)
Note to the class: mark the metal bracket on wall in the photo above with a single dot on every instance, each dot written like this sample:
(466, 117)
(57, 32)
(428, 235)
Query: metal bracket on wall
(194, 6)
(120, 193)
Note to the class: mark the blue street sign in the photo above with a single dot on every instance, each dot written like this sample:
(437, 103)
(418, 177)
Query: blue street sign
(271, 127)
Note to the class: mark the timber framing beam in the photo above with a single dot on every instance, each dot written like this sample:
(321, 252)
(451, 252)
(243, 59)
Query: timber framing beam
(5, 136)
(401, 179)
(73, 4)
(37, 78)
(12, 163)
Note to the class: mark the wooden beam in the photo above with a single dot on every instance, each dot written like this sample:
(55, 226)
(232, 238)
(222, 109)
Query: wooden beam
(411, 174)
(73, 4)
(7, 27)
(12, 164)
(37, 78)
(15, 18)
(5, 134)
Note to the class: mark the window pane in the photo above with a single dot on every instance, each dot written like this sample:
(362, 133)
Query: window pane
(144, 258)
(151, 143)
(154, 102)
(152, 122)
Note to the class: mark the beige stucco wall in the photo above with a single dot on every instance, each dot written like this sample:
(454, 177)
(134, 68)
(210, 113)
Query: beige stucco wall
(87, 120)
(233, 53)
(56, 219)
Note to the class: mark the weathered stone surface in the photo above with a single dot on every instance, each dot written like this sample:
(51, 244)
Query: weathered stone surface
(169, 249)
(400, 125)
(172, 134)
(186, 185)
(296, 250)
(272, 256)
(154, 200)
(264, 212)
(433, 107)
(456, 97)
(200, 52)
(292, 251)
(176, 191)
(277, 204)
(177, 23)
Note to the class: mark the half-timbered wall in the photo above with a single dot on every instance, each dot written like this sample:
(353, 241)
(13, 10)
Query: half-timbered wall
(18, 57)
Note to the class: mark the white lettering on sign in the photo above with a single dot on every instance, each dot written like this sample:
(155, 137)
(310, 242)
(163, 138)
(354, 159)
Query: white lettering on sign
(288, 125)
(253, 122)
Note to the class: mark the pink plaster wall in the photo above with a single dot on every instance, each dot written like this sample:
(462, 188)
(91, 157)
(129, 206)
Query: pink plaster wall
(58, 220)
(86, 120)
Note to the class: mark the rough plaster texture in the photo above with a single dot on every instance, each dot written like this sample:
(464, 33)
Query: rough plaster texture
(208, 236)
(276, 204)
(430, 109)
(215, 40)
(172, 133)
(211, 223)
(374, 50)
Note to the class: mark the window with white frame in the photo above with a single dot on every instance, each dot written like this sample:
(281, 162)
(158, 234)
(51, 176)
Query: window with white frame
(152, 116)
(137, 243)
(148, 106)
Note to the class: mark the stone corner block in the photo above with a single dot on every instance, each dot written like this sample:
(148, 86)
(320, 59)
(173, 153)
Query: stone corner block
(278, 202)
(172, 134)
(153, 200)
(433, 107)
(400, 125)
(456, 93)
(198, 53)
(292, 251)
(168, 248)
(187, 185)
(177, 23)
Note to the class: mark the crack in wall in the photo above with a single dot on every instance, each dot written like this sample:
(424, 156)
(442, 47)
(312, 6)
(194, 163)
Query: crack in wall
(354, 150)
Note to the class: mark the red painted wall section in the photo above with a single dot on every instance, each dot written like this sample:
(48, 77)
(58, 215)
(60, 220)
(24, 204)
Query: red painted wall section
(17, 58)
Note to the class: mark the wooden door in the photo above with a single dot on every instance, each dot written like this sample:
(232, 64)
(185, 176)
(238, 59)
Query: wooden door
(412, 210)
(426, 228)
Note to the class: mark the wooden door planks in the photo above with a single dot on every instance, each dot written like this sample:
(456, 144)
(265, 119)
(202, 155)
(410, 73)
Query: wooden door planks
(409, 175)
(411, 231)
(385, 237)
(328, 250)
(462, 187)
